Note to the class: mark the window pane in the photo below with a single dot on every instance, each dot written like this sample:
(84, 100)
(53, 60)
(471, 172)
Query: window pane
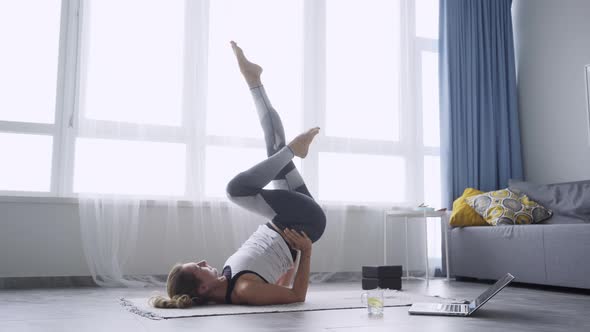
(362, 97)
(430, 105)
(432, 181)
(223, 163)
(129, 167)
(26, 162)
(361, 178)
(427, 18)
(29, 35)
(270, 32)
(134, 72)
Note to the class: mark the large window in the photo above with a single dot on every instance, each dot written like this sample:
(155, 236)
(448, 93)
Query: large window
(139, 97)
(131, 84)
(381, 102)
(30, 39)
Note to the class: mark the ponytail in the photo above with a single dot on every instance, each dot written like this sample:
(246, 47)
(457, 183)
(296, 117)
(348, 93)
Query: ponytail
(177, 301)
(181, 286)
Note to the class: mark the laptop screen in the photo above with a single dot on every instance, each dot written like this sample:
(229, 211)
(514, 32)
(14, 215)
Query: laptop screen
(485, 296)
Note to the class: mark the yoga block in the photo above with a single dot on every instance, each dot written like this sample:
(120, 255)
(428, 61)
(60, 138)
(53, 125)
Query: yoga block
(385, 271)
(387, 283)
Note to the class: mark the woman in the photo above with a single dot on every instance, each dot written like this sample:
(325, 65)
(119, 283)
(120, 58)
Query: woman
(261, 271)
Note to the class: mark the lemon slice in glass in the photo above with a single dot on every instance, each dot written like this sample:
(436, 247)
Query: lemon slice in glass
(375, 302)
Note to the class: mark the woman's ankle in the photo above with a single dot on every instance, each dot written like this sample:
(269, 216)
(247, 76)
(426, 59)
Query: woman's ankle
(253, 83)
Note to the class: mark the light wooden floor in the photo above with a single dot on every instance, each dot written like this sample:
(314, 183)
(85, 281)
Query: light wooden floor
(516, 308)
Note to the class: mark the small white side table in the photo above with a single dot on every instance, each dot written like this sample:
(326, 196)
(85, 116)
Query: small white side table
(406, 214)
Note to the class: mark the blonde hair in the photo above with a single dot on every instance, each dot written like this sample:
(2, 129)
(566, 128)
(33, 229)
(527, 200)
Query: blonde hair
(181, 287)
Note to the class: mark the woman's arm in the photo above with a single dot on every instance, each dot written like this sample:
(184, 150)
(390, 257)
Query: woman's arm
(254, 292)
(257, 293)
(302, 278)
(285, 279)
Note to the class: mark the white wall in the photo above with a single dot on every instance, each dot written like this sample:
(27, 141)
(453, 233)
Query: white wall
(43, 239)
(552, 40)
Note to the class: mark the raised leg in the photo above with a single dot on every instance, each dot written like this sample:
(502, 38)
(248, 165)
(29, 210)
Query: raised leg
(293, 208)
(274, 134)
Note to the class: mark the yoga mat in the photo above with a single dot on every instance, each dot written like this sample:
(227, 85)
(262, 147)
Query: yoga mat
(316, 300)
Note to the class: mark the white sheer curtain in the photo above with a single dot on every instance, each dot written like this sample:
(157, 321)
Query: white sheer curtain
(130, 131)
(165, 121)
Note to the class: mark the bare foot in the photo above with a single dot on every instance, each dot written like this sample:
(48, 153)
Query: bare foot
(300, 144)
(251, 71)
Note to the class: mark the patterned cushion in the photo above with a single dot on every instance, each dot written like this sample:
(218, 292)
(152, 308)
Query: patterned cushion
(465, 215)
(504, 207)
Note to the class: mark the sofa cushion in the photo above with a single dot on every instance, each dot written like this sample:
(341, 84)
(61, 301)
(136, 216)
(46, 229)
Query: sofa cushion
(569, 199)
(490, 252)
(504, 207)
(465, 215)
(541, 254)
(566, 254)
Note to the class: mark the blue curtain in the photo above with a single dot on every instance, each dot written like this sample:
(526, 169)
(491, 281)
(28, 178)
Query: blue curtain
(480, 134)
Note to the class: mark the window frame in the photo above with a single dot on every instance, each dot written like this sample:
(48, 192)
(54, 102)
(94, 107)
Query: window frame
(67, 128)
(56, 129)
(185, 133)
(410, 146)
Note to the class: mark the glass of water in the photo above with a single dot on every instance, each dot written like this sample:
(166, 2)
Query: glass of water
(373, 299)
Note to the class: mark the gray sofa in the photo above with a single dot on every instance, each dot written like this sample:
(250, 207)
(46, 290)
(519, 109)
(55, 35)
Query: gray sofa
(555, 252)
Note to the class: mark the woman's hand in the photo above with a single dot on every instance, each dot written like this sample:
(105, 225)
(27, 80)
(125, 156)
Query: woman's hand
(298, 240)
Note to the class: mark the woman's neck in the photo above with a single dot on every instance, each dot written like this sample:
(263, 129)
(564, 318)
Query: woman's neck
(218, 293)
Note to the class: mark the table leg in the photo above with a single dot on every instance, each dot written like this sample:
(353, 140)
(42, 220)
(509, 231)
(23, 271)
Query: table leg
(407, 259)
(447, 246)
(385, 238)
(426, 249)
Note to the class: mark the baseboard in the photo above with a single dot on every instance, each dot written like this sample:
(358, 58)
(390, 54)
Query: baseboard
(545, 287)
(87, 281)
(46, 282)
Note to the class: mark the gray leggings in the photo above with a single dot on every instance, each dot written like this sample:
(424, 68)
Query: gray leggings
(290, 205)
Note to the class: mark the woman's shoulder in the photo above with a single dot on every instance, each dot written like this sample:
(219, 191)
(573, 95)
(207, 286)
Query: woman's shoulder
(246, 280)
(252, 291)
(242, 285)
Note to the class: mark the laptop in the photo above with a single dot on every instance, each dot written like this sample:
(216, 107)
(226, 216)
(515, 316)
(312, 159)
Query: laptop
(460, 309)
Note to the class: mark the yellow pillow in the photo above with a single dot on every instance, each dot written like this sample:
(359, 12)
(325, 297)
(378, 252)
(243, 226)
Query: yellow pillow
(504, 207)
(465, 215)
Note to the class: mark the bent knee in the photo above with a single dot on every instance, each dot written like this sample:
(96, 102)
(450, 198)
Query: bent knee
(234, 188)
(237, 187)
(319, 225)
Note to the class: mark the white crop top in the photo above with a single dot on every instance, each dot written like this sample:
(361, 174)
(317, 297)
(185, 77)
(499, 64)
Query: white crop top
(265, 252)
